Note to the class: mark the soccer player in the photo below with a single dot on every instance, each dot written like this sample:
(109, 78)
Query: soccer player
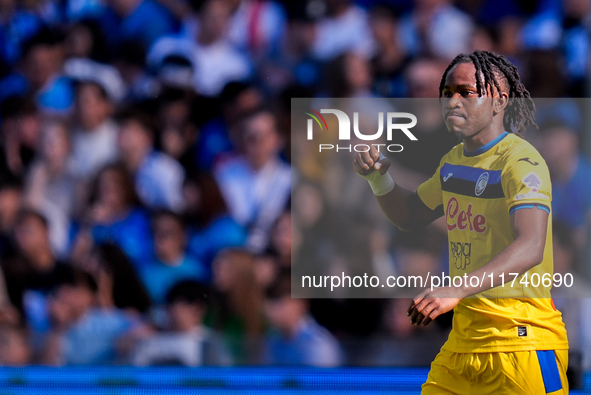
(494, 190)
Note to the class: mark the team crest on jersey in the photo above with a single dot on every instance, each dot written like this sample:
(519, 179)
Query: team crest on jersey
(533, 182)
(481, 183)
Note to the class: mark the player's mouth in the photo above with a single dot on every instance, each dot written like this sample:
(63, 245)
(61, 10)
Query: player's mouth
(454, 114)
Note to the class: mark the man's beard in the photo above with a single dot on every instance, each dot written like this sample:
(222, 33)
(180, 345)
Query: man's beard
(458, 135)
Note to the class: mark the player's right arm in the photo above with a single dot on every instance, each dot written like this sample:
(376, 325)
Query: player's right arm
(402, 207)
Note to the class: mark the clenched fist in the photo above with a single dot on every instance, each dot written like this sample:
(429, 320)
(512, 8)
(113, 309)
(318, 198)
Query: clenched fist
(366, 162)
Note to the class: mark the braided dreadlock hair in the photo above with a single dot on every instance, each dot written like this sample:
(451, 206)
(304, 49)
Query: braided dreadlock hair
(491, 67)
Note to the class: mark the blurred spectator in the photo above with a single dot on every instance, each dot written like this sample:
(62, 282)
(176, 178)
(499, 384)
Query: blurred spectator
(423, 77)
(542, 30)
(186, 340)
(344, 29)
(85, 40)
(215, 61)
(172, 263)
(10, 205)
(50, 186)
(15, 349)
(256, 184)
(219, 135)
(483, 40)
(32, 270)
(349, 75)
(43, 58)
(422, 252)
(80, 10)
(296, 339)
(492, 12)
(574, 301)
(396, 321)
(429, 28)
(94, 137)
(118, 283)
(114, 214)
(295, 57)
(21, 132)
(256, 26)
(239, 313)
(175, 71)
(390, 59)
(544, 73)
(397, 344)
(311, 241)
(158, 177)
(266, 268)
(211, 229)
(130, 60)
(177, 129)
(281, 239)
(136, 20)
(17, 25)
(81, 332)
(576, 43)
(570, 172)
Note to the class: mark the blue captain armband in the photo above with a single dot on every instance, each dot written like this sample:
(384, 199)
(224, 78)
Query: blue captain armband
(529, 205)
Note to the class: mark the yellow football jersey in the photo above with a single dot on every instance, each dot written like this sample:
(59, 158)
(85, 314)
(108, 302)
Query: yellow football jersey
(478, 192)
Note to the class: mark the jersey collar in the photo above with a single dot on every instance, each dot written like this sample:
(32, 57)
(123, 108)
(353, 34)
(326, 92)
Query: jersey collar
(487, 146)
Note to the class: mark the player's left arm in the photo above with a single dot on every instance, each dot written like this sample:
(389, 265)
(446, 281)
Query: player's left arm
(528, 190)
(529, 227)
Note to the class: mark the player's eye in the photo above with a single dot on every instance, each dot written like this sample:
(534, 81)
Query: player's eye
(447, 94)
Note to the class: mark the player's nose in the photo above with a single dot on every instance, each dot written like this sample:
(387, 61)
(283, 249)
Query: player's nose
(452, 102)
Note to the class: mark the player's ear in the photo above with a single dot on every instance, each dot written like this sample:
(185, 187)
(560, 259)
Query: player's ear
(501, 102)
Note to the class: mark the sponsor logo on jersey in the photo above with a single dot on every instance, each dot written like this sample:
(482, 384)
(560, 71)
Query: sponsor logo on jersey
(533, 182)
(481, 183)
(461, 254)
(463, 220)
(447, 176)
(529, 195)
(528, 161)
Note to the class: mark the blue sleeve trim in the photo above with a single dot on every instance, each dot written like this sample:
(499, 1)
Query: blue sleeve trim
(520, 206)
(550, 373)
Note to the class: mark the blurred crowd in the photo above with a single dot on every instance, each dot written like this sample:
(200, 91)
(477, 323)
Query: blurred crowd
(146, 171)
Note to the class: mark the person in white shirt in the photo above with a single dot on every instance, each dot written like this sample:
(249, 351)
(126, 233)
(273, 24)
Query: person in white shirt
(256, 183)
(158, 177)
(345, 29)
(215, 61)
(99, 88)
(50, 186)
(426, 30)
(186, 341)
